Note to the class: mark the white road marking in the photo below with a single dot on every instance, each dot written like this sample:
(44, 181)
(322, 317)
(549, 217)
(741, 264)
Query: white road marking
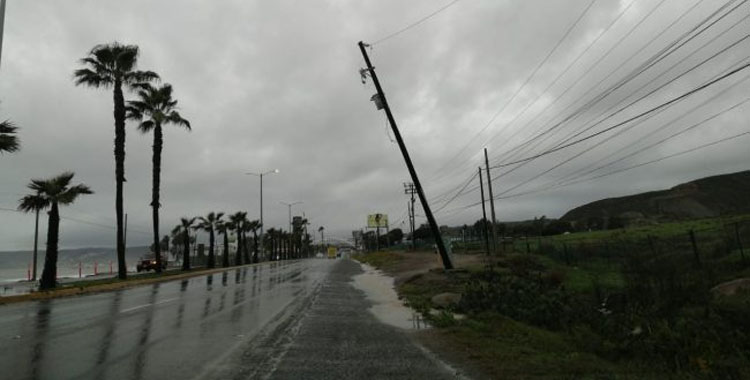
(146, 305)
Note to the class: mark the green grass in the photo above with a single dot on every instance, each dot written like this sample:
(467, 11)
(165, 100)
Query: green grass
(378, 259)
(509, 349)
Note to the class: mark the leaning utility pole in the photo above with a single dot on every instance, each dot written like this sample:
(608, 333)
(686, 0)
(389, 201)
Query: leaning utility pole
(410, 190)
(484, 214)
(447, 263)
(492, 201)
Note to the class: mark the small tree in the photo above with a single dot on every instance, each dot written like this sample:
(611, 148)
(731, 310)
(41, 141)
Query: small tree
(209, 224)
(52, 193)
(223, 228)
(186, 224)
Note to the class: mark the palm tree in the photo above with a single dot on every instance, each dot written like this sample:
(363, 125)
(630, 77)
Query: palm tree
(237, 220)
(210, 224)
(51, 193)
(114, 66)
(245, 249)
(186, 224)
(35, 203)
(155, 109)
(8, 139)
(223, 228)
(253, 226)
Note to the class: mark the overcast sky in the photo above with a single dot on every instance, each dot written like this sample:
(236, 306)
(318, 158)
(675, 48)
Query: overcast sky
(275, 84)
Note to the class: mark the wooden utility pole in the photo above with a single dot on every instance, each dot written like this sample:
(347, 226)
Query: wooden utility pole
(484, 213)
(447, 263)
(492, 201)
(410, 190)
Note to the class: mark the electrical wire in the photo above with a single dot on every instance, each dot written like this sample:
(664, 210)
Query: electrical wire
(525, 83)
(416, 23)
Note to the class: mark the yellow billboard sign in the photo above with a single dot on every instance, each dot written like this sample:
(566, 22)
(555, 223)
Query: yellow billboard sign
(377, 220)
(332, 251)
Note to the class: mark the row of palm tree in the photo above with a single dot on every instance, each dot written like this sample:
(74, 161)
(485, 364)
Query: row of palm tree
(106, 66)
(115, 66)
(213, 223)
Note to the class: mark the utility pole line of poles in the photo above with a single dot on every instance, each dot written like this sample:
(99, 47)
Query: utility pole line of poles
(410, 190)
(484, 214)
(492, 202)
(447, 262)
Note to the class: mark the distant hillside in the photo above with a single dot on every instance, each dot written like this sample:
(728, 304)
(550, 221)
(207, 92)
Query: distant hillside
(706, 197)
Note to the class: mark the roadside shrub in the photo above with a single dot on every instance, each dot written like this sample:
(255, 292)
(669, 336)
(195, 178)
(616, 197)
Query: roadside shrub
(442, 319)
(523, 265)
(520, 298)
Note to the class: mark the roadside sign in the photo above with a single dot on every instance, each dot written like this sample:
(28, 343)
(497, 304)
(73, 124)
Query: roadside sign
(332, 252)
(377, 220)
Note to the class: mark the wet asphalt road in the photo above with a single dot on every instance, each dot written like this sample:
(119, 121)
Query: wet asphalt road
(289, 320)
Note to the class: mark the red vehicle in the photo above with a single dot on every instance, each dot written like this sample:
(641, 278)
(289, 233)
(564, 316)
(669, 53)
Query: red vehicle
(147, 264)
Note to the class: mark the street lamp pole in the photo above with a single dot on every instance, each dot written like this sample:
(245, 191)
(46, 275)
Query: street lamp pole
(261, 174)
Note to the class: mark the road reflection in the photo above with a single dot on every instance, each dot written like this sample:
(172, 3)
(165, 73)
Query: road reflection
(41, 326)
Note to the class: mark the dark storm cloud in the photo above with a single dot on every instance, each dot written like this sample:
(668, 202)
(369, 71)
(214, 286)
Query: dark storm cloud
(275, 84)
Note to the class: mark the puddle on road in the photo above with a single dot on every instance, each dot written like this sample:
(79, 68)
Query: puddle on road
(386, 306)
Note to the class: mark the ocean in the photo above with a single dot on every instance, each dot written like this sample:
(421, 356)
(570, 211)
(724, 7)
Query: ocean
(15, 265)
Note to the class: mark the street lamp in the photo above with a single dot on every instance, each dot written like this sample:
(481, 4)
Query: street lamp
(274, 171)
(289, 205)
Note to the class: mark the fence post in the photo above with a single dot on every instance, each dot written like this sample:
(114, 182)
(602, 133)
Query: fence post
(695, 248)
(739, 241)
(565, 253)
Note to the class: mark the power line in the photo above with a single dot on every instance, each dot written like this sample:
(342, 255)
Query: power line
(684, 130)
(576, 174)
(416, 23)
(525, 83)
(626, 122)
(648, 63)
(665, 104)
(677, 154)
(569, 136)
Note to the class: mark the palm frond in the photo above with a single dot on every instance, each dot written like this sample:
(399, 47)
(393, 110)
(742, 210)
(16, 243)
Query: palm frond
(8, 141)
(90, 78)
(33, 202)
(70, 195)
(136, 79)
(175, 118)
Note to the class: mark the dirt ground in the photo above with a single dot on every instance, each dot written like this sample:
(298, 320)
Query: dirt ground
(438, 341)
(411, 264)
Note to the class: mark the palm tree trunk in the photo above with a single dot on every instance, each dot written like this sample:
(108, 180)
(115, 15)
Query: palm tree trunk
(119, 102)
(255, 246)
(49, 275)
(226, 250)
(238, 254)
(211, 263)
(245, 249)
(156, 182)
(186, 254)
